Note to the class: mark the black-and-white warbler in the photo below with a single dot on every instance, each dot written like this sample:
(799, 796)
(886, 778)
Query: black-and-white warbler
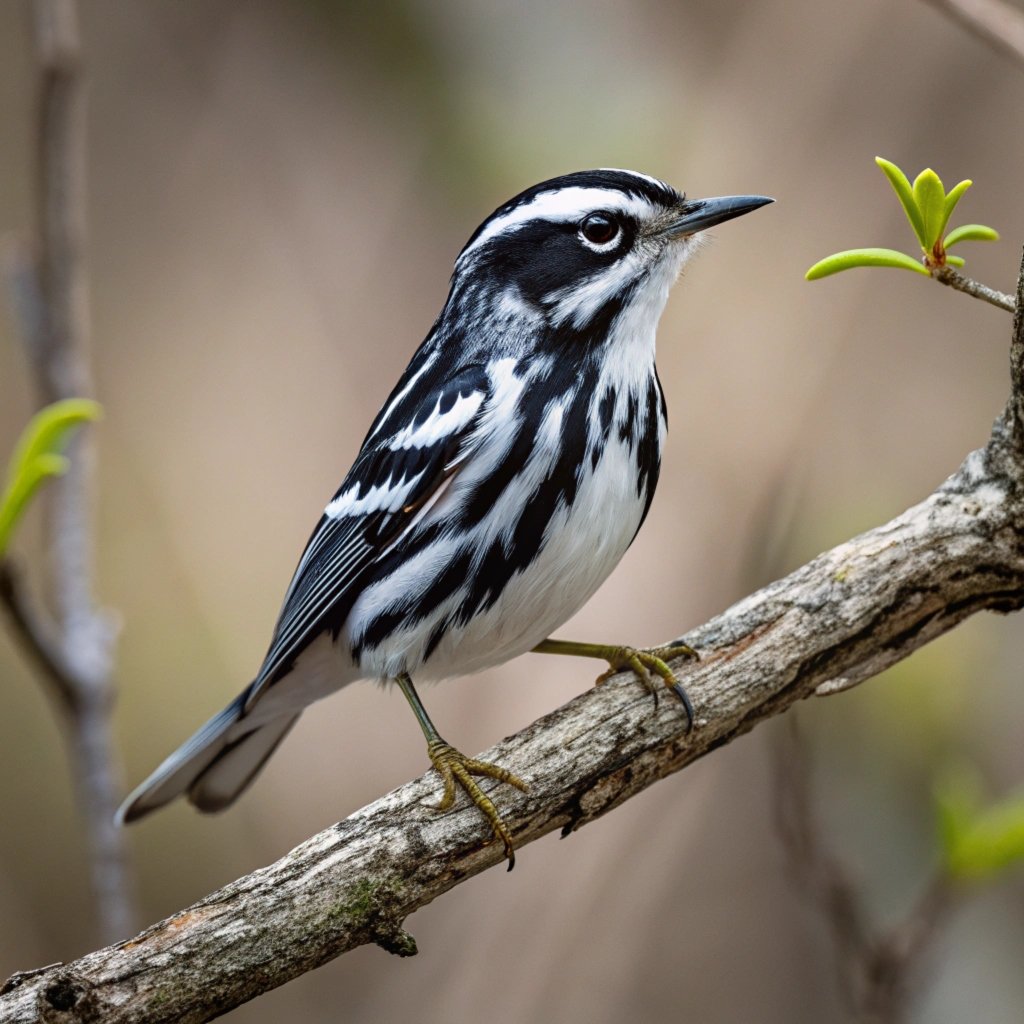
(506, 475)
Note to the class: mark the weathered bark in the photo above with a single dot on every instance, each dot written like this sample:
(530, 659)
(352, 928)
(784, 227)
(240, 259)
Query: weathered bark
(845, 616)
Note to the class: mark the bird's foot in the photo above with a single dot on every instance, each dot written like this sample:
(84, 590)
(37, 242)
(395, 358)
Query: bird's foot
(648, 661)
(643, 662)
(455, 768)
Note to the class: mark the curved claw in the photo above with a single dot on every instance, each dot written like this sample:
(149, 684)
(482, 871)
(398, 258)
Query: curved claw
(642, 662)
(666, 654)
(677, 689)
(654, 659)
(455, 767)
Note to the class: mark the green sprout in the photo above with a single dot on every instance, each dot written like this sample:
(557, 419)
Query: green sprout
(39, 456)
(978, 842)
(928, 208)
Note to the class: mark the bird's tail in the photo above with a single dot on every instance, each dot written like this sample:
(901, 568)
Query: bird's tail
(214, 767)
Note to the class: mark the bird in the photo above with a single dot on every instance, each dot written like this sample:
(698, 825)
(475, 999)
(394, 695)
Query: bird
(501, 482)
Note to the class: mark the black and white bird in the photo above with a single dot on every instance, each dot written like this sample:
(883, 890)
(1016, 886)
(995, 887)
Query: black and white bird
(500, 484)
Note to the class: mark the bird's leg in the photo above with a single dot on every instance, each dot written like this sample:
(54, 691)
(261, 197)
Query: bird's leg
(455, 768)
(642, 661)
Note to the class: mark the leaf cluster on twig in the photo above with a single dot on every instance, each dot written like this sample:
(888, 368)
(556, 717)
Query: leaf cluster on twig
(928, 208)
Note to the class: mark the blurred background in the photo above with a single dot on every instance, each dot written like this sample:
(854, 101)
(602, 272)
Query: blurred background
(277, 189)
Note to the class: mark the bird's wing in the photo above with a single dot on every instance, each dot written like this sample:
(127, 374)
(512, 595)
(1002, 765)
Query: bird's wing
(387, 491)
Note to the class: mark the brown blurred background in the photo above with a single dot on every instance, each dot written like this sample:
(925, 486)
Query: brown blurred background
(277, 190)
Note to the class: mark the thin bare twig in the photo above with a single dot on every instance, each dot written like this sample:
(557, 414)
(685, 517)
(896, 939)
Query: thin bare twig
(947, 275)
(896, 961)
(38, 638)
(879, 972)
(50, 296)
(819, 875)
(993, 21)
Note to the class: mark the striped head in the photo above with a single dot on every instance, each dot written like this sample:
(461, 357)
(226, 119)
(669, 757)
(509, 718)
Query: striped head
(575, 252)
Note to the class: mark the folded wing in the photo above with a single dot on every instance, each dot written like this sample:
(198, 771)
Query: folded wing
(390, 487)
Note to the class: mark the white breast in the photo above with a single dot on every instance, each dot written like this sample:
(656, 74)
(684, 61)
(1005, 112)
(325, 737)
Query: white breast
(583, 545)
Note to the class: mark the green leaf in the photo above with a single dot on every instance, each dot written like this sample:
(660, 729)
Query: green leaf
(38, 456)
(930, 197)
(978, 843)
(863, 258)
(971, 233)
(952, 198)
(904, 192)
(956, 261)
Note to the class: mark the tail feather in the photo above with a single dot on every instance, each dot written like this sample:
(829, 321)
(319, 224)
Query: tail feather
(225, 779)
(213, 767)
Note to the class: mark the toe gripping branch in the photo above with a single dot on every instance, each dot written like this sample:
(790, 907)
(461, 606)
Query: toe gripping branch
(458, 770)
(455, 768)
(643, 662)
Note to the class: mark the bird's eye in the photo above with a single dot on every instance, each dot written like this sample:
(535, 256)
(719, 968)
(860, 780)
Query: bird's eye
(599, 229)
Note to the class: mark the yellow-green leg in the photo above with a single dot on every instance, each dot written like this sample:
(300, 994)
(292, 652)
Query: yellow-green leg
(642, 661)
(455, 768)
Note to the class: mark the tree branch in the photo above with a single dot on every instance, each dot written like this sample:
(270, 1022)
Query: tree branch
(993, 21)
(947, 275)
(847, 615)
(48, 284)
(893, 963)
(879, 970)
(820, 876)
(1016, 407)
(36, 635)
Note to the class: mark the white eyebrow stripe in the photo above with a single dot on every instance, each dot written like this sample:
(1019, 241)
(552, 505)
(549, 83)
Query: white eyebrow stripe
(564, 204)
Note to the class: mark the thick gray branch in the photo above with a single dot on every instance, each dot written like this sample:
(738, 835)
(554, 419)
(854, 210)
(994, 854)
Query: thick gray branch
(843, 617)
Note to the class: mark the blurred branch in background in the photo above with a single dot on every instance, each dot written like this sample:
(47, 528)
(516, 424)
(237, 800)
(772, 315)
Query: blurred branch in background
(39, 457)
(878, 974)
(49, 290)
(879, 971)
(996, 22)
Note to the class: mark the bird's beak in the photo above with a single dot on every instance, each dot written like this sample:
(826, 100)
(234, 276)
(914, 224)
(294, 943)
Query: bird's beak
(699, 214)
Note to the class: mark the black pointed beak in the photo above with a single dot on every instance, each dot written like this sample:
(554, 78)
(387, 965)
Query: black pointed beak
(699, 214)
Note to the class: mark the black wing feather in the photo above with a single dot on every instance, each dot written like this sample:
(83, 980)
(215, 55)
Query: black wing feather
(343, 547)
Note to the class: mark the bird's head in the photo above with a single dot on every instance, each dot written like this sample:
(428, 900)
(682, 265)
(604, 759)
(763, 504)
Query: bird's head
(580, 249)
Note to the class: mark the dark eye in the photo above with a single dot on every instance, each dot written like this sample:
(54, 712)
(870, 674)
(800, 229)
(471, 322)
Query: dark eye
(599, 228)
